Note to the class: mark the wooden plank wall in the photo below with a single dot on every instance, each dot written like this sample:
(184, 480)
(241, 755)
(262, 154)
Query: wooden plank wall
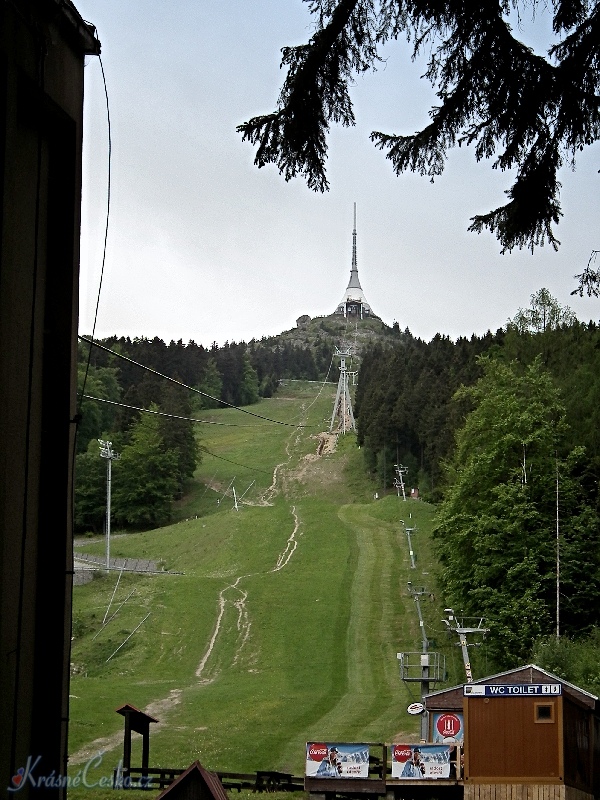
(504, 741)
(520, 791)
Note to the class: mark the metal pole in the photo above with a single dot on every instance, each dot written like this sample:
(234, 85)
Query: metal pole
(557, 560)
(411, 552)
(108, 493)
(461, 631)
(343, 408)
(424, 669)
(425, 680)
(465, 652)
(108, 453)
(424, 690)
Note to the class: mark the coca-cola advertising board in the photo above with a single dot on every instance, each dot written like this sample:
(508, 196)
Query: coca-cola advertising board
(448, 727)
(337, 760)
(417, 761)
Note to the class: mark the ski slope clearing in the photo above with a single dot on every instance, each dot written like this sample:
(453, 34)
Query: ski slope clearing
(285, 623)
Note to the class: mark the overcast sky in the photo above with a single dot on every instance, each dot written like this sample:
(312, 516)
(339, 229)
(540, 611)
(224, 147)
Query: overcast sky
(203, 245)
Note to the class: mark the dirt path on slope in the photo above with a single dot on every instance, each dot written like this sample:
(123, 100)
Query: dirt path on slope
(156, 709)
(310, 467)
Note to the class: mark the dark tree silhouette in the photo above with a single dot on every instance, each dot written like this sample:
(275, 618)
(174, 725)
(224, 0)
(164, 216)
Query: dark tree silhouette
(527, 112)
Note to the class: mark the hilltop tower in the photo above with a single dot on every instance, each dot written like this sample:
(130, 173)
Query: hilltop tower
(354, 303)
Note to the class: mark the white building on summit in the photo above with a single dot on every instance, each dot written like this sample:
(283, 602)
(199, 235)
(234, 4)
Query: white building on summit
(354, 303)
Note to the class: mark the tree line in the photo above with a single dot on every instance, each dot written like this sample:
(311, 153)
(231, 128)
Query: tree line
(160, 453)
(501, 431)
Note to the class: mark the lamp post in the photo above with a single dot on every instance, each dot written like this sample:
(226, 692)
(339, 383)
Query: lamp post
(109, 454)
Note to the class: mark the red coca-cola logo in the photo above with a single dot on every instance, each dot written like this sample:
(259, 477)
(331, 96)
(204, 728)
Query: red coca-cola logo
(448, 725)
(317, 751)
(400, 752)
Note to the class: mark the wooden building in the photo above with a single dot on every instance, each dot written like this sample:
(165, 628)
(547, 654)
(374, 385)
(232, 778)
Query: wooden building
(527, 735)
(196, 783)
(43, 45)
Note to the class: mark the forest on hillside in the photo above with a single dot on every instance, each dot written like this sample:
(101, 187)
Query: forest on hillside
(159, 451)
(501, 432)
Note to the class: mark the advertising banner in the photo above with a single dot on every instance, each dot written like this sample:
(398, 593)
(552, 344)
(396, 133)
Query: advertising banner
(448, 727)
(415, 761)
(337, 760)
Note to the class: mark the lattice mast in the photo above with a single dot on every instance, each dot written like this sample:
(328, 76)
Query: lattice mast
(342, 407)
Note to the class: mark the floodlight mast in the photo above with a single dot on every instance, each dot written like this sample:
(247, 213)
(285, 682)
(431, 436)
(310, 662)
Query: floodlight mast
(109, 454)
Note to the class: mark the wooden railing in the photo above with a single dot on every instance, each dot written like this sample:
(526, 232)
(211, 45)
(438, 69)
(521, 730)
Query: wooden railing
(259, 781)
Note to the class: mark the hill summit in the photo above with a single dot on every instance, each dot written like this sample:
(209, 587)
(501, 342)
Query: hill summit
(335, 330)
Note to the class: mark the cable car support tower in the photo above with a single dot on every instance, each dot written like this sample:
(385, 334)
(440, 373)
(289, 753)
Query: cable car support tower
(342, 407)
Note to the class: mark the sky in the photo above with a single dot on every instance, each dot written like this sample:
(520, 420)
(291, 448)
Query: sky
(204, 246)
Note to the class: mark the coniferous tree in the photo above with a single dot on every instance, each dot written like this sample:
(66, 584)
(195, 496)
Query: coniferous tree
(178, 433)
(145, 477)
(211, 384)
(248, 392)
(525, 111)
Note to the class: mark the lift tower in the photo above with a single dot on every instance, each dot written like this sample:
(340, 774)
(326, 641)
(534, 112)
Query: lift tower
(342, 407)
(461, 627)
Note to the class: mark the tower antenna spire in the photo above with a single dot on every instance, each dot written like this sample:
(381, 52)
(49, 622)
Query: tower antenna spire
(354, 303)
(354, 261)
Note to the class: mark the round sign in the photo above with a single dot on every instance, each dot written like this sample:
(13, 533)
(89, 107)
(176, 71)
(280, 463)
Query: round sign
(448, 725)
(401, 753)
(416, 708)
(317, 751)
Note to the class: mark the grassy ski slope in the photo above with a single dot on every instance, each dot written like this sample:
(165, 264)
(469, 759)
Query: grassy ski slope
(285, 623)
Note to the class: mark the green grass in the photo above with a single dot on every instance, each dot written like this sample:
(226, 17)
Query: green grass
(308, 592)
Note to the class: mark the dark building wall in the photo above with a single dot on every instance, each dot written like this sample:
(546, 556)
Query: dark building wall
(42, 47)
(596, 754)
(578, 737)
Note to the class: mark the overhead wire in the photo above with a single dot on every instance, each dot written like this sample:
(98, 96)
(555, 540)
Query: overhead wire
(191, 388)
(235, 463)
(310, 405)
(77, 416)
(108, 184)
(187, 419)
(91, 341)
(165, 414)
